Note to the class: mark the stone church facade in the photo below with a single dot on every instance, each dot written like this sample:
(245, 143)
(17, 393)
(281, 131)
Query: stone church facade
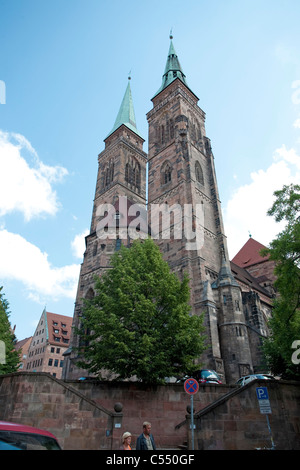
(182, 212)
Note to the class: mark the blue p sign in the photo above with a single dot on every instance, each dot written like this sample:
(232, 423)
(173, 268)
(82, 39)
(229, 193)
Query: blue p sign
(262, 393)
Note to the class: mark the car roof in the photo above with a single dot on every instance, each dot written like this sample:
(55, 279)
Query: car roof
(15, 427)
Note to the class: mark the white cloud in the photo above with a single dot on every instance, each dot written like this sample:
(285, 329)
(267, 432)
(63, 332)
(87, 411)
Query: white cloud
(78, 244)
(296, 94)
(297, 123)
(246, 211)
(24, 262)
(24, 188)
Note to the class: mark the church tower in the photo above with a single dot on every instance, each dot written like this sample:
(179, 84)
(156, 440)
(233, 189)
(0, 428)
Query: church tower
(186, 219)
(183, 213)
(121, 183)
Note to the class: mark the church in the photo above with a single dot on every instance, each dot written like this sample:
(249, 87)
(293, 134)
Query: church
(174, 186)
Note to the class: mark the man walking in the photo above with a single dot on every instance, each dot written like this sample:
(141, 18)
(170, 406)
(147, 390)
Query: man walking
(146, 440)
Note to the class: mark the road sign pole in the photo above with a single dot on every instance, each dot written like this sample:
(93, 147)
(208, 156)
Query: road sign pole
(265, 407)
(270, 431)
(192, 419)
(191, 386)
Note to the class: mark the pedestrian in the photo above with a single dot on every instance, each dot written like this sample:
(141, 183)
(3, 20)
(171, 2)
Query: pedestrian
(146, 440)
(126, 441)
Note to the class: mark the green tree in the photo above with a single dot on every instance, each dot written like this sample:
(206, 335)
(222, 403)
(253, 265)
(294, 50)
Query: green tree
(9, 357)
(139, 321)
(285, 251)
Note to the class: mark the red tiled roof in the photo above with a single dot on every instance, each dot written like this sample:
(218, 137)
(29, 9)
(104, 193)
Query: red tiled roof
(56, 322)
(20, 344)
(249, 254)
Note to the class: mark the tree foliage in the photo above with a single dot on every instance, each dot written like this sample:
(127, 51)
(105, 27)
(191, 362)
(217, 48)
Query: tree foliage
(139, 323)
(9, 357)
(285, 251)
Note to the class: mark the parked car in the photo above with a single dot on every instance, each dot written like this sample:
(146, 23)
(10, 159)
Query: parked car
(208, 376)
(204, 376)
(248, 378)
(22, 437)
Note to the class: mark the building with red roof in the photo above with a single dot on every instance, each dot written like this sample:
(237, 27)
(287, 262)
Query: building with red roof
(48, 344)
(23, 346)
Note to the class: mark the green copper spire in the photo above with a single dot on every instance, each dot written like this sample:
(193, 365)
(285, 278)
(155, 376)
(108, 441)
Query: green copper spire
(173, 69)
(126, 114)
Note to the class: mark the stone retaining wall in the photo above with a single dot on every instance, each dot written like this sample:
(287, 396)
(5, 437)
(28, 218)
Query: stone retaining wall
(87, 415)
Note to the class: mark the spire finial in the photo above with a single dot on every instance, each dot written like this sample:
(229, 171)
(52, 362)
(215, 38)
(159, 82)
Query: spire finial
(171, 34)
(129, 75)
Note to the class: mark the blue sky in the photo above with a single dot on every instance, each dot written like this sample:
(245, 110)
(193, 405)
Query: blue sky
(64, 65)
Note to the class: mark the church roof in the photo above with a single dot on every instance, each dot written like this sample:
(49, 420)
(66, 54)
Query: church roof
(173, 70)
(126, 113)
(249, 254)
(242, 275)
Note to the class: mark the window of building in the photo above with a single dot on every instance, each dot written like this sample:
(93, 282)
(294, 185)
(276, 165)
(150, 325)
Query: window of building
(109, 173)
(118, 244)
(166, 173)
(199, 173)
(133, 173)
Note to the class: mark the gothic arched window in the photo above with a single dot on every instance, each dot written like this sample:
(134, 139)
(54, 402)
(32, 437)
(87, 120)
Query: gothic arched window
(90, 294)
(109, 173)
(162, 134)
(166, 173)
(171, 129)
(168, 176)
(133, 173)
(199, 173)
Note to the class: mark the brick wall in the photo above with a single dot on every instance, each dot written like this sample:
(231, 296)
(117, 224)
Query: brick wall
(86, 415)
(236, 423)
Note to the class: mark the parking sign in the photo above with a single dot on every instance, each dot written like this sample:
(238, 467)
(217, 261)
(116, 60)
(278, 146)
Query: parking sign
(263, 400)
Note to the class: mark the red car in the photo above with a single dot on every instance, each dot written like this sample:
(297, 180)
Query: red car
(15, 436)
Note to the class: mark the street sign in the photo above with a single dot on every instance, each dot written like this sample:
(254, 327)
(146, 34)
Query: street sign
(263, 400)
(191, 386)
(265, 407)
(262, 393)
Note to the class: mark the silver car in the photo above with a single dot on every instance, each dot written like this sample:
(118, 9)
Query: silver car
(248, 378)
